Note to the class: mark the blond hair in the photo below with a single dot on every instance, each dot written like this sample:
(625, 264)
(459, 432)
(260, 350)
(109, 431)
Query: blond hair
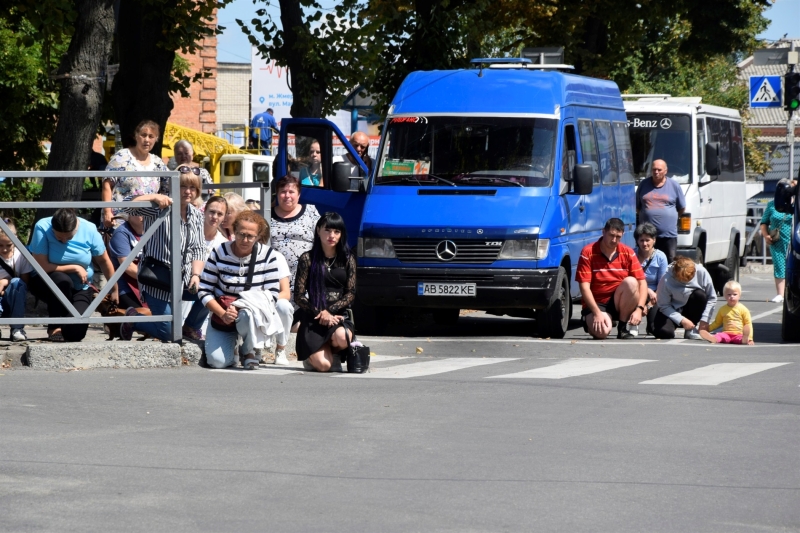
(732, 285)
(11, 225)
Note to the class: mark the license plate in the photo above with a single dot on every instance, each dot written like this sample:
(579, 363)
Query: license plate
(425, 288)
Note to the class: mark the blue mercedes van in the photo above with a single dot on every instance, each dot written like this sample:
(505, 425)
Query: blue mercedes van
(487, 184)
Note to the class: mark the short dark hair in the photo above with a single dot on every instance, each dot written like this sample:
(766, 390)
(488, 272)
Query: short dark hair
(285, 181)
(65, 220)
(269, 110)
(645, 228)
(615, 224)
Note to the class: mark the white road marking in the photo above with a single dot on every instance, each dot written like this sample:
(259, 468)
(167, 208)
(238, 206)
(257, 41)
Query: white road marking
(575, 367)
(766, 313)
(297, 366)
(713, 374)
(427, 368)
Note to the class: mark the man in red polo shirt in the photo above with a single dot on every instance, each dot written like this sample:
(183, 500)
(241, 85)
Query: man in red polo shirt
(612, 284)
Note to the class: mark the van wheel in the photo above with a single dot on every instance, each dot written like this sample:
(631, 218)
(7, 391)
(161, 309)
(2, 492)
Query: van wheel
(445, 317)
(790, 323)
(733, 262)
(553, 321)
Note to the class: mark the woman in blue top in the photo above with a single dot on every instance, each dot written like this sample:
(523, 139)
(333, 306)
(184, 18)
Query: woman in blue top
(654, 264)
(312, 174)
(64, 245)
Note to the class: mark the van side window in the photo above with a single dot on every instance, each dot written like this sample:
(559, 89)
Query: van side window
(608, 154)
(624, 152)
(729, 136)
(701, 143)
(589, 147)
(568, 159)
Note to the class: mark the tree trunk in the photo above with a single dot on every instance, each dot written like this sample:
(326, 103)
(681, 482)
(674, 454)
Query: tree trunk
(81, 99)
(302, 81)
(141, 87)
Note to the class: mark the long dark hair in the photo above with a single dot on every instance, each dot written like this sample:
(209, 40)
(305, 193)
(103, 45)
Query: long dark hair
(316, 276)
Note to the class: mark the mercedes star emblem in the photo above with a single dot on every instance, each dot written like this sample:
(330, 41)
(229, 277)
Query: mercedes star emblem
(665, 124)
(446, 250)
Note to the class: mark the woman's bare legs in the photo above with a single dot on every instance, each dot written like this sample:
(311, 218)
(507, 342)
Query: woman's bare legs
(324, 359)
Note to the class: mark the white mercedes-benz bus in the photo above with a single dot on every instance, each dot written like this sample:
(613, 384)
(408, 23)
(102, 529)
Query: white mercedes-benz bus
(702, 146)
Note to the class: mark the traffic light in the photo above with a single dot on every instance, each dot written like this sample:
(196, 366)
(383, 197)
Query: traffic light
(791, 91)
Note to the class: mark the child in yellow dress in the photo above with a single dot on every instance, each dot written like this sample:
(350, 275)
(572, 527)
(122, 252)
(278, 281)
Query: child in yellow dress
(737, 326)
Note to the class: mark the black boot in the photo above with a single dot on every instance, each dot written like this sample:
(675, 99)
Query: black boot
(622, 331)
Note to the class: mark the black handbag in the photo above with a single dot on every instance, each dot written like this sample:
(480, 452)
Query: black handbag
(357, 357)
(156, 273)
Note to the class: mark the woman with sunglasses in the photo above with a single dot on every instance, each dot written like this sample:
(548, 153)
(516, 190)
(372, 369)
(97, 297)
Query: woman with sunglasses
(158, 299)
(184, 156)
(311, 175)
(133, 159)
(325, 288)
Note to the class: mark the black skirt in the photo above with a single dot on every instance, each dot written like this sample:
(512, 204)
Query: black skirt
(312, 335)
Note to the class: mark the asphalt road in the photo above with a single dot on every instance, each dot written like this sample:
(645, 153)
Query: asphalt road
(487, 429)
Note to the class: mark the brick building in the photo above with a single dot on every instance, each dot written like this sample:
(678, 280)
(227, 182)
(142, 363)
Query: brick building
(199, 110)
(233, 100)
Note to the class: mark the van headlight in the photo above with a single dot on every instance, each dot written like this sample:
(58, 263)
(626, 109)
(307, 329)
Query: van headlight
(380, 248)
(525, 249)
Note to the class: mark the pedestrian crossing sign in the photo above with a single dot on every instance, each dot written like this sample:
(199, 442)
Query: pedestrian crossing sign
(765, 91)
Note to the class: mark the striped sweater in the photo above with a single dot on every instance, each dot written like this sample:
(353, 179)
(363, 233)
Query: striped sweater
(226, 274)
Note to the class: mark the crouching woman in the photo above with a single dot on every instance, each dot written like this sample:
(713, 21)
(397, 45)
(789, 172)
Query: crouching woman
(686, 298)
(325, 288)
(232, 268)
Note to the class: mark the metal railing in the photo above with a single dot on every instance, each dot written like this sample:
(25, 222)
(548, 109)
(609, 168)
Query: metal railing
(763, 257)
(172, 211)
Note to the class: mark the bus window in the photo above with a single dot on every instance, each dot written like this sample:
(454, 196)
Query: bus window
(624, 153)
(701, 143)
(589, 147)
(608, 154)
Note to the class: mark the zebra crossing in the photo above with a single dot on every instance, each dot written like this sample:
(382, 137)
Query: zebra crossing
(404, 367)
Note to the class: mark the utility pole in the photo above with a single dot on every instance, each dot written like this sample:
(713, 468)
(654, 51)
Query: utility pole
(791, 97)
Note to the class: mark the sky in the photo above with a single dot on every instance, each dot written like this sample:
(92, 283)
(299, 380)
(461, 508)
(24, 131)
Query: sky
(233, 46)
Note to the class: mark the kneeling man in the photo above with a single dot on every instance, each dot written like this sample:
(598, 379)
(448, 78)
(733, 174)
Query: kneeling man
(613, 286)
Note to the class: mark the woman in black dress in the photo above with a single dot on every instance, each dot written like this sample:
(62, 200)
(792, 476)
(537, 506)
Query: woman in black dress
(325, 287)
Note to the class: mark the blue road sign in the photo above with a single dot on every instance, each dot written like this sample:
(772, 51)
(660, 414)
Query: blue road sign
(765, 91)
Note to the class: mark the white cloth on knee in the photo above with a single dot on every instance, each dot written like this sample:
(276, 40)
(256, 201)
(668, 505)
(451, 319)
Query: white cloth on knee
(264, 319)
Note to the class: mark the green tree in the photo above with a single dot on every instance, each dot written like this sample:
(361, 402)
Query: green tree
(30, 100)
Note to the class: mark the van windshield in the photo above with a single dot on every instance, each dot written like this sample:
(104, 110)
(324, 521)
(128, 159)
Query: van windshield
(468, 151)
(661, 136)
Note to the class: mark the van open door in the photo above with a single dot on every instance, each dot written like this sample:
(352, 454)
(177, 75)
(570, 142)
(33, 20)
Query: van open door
(316, 152)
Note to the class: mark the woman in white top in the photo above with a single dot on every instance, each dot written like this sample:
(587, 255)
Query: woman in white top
(225, 275)
(215, 210)
(135, 158)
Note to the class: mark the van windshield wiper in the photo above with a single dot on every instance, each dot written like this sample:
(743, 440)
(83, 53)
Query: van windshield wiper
(413, 179)
(493, 178)
(434, 176)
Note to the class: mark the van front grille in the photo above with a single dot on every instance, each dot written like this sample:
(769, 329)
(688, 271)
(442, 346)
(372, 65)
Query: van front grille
(472, 251)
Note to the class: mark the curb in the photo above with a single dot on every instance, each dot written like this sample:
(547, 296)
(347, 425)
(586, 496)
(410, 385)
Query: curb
(85, 355)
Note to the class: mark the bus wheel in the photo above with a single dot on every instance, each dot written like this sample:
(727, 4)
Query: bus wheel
(790, 325)
(445, 317)
(552, 322)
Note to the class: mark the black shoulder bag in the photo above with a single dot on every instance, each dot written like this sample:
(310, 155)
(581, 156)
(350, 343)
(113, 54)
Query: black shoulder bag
(156, 273)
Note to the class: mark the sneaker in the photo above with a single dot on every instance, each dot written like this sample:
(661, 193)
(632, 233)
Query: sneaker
(622, 331)
(307, 366)
(126, 328)
(777, 300)
(692, 335)
(18, 335)
(280, 357)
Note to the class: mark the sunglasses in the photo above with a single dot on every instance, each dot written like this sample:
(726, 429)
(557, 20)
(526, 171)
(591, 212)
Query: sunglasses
(185, 170)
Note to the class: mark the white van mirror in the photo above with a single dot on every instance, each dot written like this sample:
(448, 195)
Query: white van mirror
(712, 160)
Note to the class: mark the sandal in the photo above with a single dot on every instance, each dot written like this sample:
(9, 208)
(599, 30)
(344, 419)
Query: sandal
(55, 337)
(250, 363)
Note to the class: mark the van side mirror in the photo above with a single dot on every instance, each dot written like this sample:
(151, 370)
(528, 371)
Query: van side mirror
(341, 177)
(712, 160)
(582, 183)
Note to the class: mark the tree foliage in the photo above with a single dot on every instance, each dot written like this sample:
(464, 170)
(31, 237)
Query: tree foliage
(327, 55)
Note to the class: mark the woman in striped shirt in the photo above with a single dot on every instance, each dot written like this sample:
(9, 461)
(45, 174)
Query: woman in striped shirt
(158, 247)
(226, 273)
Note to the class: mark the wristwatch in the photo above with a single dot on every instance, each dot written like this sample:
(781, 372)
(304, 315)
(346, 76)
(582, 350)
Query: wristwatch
(641, 307)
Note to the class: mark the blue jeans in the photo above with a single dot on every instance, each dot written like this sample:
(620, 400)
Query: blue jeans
(221, 344)
(198, 313)
(12, 304)
(158, 330)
